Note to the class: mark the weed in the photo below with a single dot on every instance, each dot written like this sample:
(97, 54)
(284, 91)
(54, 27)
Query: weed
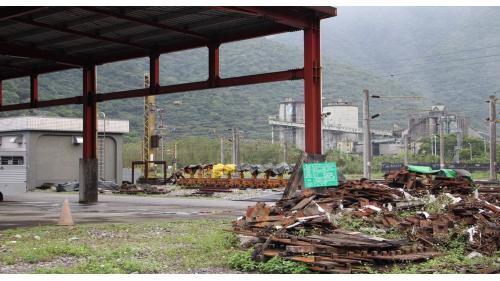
(277, 265)
(242, 261)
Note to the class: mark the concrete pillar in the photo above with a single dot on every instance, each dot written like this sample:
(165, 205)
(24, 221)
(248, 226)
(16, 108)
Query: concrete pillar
(88, 180)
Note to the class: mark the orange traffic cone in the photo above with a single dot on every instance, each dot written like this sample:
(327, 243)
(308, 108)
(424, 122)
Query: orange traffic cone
(65, 218)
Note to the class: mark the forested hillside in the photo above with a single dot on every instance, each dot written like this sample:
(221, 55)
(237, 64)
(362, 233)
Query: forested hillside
(203, 112)
(450, 55)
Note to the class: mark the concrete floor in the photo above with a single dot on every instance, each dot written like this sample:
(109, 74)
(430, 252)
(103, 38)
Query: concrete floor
(40, 208)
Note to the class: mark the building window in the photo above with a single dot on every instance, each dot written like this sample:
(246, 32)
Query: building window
(12, 160)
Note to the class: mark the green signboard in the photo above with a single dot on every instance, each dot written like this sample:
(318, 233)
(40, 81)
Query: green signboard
(320, 174)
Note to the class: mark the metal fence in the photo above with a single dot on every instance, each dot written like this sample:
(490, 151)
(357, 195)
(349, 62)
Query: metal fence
(386, 167)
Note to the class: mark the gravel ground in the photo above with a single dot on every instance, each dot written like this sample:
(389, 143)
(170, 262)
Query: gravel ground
(236, 194)
(23, 268)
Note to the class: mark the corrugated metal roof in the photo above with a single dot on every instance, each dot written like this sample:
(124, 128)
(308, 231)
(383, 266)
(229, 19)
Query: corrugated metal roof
(107, 34)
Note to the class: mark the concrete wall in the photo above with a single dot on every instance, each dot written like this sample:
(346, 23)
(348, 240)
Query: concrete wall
(53, 158)
(344, 115)
(390, 148)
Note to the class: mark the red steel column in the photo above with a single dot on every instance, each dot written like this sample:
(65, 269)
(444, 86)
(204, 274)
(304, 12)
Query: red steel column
(154, 74)
(88, 165)
(312, 89)
(1, 94)
(33, 90)
(213, 64)
(89, 113)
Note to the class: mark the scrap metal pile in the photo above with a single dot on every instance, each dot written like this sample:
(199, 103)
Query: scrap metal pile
(307, 227)
(435, 182)
(220, 176)
(142, 189)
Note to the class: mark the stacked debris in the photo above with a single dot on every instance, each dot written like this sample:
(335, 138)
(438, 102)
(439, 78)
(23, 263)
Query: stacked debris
(229, 176)
(420, 181)
(210, 191)
(307, 228)
(143, 189)
(303, 229)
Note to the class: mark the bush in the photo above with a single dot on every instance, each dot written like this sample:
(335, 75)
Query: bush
(277, 265)
(242, 261)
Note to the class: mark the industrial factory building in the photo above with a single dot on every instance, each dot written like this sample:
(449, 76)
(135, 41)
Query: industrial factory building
(38, 150)
(427, 125)
(340, 125)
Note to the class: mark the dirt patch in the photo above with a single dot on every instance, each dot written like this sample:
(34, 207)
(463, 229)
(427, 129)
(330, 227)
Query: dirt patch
(23, 268)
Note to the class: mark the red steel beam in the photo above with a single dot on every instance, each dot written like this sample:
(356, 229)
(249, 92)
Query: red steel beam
(42, 103)
(28, 52)
(213, 64)
(324, 11)
(12, 12)
(89, 113)
(205, 85)
(81, 33)
(276, 14)
(33, 90)
(154, 74)
(16, 67)
(160, 49)
(294, 74)
(312, 89)
(146, 22)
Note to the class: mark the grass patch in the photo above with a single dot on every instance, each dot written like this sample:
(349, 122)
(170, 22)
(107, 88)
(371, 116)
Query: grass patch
(242, 261)
(454, 260)
(153, 247)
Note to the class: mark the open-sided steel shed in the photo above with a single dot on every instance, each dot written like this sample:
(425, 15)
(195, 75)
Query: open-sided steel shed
(38, 40)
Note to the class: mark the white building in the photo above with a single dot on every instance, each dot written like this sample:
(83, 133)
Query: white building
(340, 125)
(38, 150)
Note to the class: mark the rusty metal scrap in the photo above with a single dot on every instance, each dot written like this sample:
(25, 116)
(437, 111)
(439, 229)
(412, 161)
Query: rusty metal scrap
(421, 184)
(201, 176)
(144, 189)
(303, 228)
(300, 229)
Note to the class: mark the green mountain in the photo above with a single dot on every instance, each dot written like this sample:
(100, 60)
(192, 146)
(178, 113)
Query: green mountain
(203, 112)
(450, 55)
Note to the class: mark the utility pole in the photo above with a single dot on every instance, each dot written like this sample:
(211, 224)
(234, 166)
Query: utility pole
(175, 157)
(459, 143)
(441, 143)
(366, 135)
(470, 149)
(236, 146)
(272, 134)
(405, 162)
(406, 137)
(285, 151)
(493, 139)
(222, 149)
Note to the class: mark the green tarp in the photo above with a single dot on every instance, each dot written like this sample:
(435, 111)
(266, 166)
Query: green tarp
(420, 169)
(450, 173)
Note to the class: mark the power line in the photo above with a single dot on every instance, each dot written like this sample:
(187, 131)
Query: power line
(445, 67)
(435, 55)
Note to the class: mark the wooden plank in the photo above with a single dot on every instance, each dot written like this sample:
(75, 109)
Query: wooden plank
(296, 181)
